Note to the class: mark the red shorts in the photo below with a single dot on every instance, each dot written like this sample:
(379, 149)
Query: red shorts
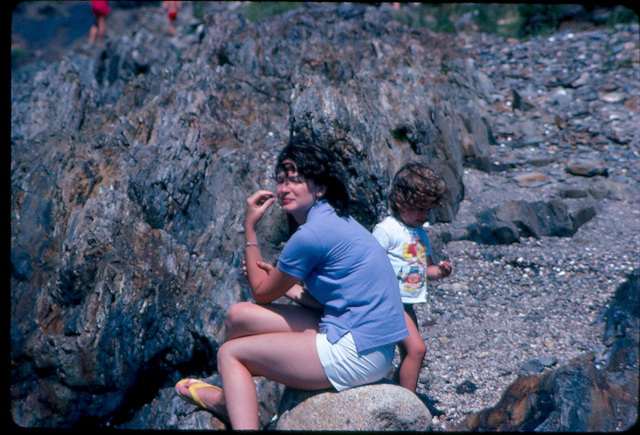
(100, 8)
(173, 15)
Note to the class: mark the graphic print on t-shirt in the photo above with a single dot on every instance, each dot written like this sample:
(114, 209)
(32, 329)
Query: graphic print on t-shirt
(412, 275)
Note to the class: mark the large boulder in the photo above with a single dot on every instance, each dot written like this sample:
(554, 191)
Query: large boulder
(576, 397)
(508, 221)
(377, 407)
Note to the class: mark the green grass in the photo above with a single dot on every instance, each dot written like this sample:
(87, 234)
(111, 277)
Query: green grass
(520, 20)
(255, 11)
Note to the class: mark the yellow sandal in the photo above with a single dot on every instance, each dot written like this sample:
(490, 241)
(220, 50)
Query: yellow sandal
(196, 385)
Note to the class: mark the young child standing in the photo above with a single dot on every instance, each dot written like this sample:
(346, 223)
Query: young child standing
(415, 190)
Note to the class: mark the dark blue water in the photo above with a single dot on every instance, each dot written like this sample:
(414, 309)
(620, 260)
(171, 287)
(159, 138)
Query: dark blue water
(53, 25)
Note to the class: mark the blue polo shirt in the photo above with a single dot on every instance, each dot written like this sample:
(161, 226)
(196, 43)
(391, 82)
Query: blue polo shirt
(347, 271)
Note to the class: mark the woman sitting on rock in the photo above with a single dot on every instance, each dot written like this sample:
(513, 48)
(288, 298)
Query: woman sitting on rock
(351, 341)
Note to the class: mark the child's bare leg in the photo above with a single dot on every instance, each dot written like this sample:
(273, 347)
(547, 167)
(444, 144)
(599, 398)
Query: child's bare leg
(412, 351)
(93, 32)
(246, 318)
(290, 358)
(102, 26)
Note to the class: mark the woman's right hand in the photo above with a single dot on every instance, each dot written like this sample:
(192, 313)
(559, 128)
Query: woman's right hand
(257, 205)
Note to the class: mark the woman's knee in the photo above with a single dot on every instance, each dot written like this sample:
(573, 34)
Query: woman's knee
(237, 319)
(223, 352)
(225, 356)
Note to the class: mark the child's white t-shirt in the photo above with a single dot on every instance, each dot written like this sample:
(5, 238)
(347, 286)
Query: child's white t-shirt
(407, 249)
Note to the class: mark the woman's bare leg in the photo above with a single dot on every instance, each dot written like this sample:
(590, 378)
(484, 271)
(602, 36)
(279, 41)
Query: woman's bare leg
(290, 358)
(249, 319)
(246, 318)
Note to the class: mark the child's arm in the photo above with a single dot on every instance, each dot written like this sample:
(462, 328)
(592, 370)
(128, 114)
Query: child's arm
(438, 271)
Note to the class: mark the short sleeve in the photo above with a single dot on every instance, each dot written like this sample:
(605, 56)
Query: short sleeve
(425, 240)
(301, 254)
(382, 236)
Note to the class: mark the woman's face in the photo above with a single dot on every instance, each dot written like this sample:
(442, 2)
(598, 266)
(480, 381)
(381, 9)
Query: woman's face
(295, 193)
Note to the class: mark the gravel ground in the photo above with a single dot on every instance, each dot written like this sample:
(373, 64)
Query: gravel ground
(506, 305)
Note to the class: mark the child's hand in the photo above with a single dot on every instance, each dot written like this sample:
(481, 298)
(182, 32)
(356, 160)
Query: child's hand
(444, 268)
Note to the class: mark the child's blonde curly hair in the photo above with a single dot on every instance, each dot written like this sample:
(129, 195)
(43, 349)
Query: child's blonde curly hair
(415, 185)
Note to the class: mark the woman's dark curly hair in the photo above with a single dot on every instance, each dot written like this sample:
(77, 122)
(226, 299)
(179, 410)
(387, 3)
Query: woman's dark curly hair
(415, 185)
(320, 165)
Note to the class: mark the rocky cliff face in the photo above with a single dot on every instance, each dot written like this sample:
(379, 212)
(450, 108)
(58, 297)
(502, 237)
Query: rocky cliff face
(131, 164)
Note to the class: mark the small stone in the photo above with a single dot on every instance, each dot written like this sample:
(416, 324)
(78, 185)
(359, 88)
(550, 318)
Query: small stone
(531, 176)
(612, 97)
(573, 193)
(586, 170)
(582, 80)
(548, 361)
(549, 343)
(632, 104)
(533, 366)
(457, 287)
(467, 387)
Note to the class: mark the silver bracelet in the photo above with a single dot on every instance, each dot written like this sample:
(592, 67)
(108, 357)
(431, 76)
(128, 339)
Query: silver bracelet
(250, 244)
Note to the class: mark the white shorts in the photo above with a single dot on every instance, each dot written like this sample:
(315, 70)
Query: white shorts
(345, 367)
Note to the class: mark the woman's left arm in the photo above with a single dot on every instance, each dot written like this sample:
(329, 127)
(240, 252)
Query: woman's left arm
(275, 283)
(273, 286)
